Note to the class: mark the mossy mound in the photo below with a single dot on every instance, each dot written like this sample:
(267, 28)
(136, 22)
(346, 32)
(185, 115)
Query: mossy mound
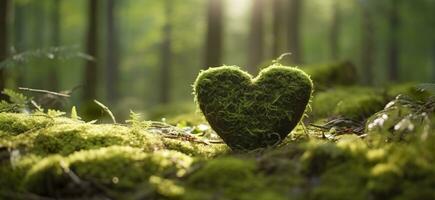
(43, 135)
(359, 103)
(330, 75)
(47, 156)
(116, 168)
(250, 113)
(350, 102)
(350, 166)
(14, 124)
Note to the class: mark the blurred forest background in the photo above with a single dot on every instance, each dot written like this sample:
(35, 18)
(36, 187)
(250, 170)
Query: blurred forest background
(145, 54)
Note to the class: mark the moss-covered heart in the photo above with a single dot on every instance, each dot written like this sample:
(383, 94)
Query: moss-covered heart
(250, 113)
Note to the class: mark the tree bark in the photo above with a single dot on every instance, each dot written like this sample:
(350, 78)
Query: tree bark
(294, 39)
(213, 43)
(367, 44)
(166, 55)
(256, 37)
(55, 22)
(91, 70)
(20, 40)
(393, 43)
(335, 30)
(433, 60)
(112, 54)
(4, 7)
(277, 28)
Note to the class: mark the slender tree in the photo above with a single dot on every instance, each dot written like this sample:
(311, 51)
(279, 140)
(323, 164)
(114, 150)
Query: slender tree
(393, 43)
(91, 70)
(277, 27)
(112, 53)
(368, 50)
(20, 39)
(213, 43)
(166, 55)
(4, 7)
(55, 22)
(433, 60)
(39, 25)
(335, 30)
(256, 37)
(294, 39)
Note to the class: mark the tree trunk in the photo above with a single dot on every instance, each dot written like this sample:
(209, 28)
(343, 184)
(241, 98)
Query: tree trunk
(367, 44)
(213, 44)
(55, 22)
(256, 37)
(4, 6)
(20, 39)
(166, 56)
(393, 43)
(294, 46)
(91, 70)
(38, 39)
(335, 30)
(433, 60)
(277, 28)
(112, 54)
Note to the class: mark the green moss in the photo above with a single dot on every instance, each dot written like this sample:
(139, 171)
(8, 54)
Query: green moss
(50, 172)
(69, 159)
(409, 89)
(250, 113)
(344, 181)
(116, 168)
(326, 76)
(320, 156)
(14, 124)
(10, 178)
(216, 178)
(65, 139)
(222, 171)
(350, 102)
(67, 136)
(195, 148)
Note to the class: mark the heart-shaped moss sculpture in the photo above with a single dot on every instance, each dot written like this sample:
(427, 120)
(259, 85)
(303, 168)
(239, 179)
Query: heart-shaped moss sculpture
(250, 113)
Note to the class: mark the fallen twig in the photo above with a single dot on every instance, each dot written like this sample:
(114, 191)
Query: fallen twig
(44, 91)
(105, 108)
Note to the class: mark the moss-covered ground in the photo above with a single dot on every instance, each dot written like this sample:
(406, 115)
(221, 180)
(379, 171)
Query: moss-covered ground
(357, 143)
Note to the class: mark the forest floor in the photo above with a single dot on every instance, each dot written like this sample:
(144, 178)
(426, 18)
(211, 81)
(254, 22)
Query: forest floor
(357, 143)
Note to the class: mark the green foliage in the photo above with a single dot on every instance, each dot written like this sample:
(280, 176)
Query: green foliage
(136, 120)
(403, 119)
(58, 53)
(18, 102)
(250, 113)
